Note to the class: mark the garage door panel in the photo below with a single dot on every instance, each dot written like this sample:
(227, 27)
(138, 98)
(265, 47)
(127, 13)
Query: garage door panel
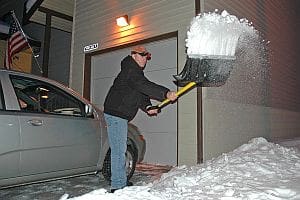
(163, 77)
(163, 56)
(105, 68)
(101, 87)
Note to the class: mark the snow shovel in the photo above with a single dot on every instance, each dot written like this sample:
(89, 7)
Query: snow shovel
(200, 72)
(211, 45)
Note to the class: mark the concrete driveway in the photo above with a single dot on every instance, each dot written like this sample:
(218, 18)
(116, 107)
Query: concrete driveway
(77, 186)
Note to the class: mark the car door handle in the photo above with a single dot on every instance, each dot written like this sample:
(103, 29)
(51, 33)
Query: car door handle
(35, 122)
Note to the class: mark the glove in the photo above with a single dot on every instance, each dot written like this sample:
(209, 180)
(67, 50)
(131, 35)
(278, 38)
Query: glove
(153, 108)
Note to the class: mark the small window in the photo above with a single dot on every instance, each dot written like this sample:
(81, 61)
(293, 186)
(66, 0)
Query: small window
(38, 96)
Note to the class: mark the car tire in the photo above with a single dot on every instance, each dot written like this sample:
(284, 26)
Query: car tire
(131, 160)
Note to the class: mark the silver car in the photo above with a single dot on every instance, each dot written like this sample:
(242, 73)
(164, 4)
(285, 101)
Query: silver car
(48, 131)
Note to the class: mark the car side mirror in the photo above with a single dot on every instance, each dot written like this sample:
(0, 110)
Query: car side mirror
(88, 110)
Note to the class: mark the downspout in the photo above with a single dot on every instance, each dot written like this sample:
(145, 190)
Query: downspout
(199, 7)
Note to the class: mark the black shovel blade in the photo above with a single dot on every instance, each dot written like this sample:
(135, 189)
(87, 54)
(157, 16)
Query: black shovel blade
(205, 72)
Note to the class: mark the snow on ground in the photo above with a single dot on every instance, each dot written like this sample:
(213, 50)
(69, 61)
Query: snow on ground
(256, 170)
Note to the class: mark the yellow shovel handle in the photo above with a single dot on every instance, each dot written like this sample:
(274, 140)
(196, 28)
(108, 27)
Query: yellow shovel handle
(178, 93)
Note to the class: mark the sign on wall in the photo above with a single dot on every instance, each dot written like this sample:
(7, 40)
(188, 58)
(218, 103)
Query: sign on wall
(90, 47)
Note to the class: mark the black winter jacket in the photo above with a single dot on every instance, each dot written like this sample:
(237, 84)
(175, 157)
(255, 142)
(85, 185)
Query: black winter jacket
(131, 90)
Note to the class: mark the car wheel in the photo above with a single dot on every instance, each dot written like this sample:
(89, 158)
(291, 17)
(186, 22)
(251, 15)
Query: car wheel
(130, 158)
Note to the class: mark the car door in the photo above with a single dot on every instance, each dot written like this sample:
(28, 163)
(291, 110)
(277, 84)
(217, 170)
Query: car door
(9, 139)
(56, 134)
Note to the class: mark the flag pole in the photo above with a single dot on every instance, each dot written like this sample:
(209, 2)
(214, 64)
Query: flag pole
(20, 28)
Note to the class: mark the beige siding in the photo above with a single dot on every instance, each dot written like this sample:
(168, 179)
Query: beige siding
(283, 32)
(94, 22)
(285, 124)
(39, 17)
(61, 24)
(66, 7)
(251, 104)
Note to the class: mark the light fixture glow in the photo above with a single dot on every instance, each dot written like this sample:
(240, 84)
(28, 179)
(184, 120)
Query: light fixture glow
(123, 21)
(44, 96)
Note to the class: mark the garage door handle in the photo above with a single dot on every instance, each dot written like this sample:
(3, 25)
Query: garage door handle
(35, 122)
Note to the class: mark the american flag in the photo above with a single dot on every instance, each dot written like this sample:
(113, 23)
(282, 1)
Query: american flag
(15, 43)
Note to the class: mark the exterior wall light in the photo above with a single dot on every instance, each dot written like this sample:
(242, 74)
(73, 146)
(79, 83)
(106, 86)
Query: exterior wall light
(123, 21)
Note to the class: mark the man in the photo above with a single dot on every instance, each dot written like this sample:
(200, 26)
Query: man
(130, 91)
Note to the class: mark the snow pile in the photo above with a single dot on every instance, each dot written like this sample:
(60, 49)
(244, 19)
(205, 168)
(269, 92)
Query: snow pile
(216, 35)
(257, 170)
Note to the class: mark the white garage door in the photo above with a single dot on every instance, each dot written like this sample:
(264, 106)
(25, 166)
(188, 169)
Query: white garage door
(161, 131)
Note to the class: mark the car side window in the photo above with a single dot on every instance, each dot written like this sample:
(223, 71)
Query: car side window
(38, 96)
